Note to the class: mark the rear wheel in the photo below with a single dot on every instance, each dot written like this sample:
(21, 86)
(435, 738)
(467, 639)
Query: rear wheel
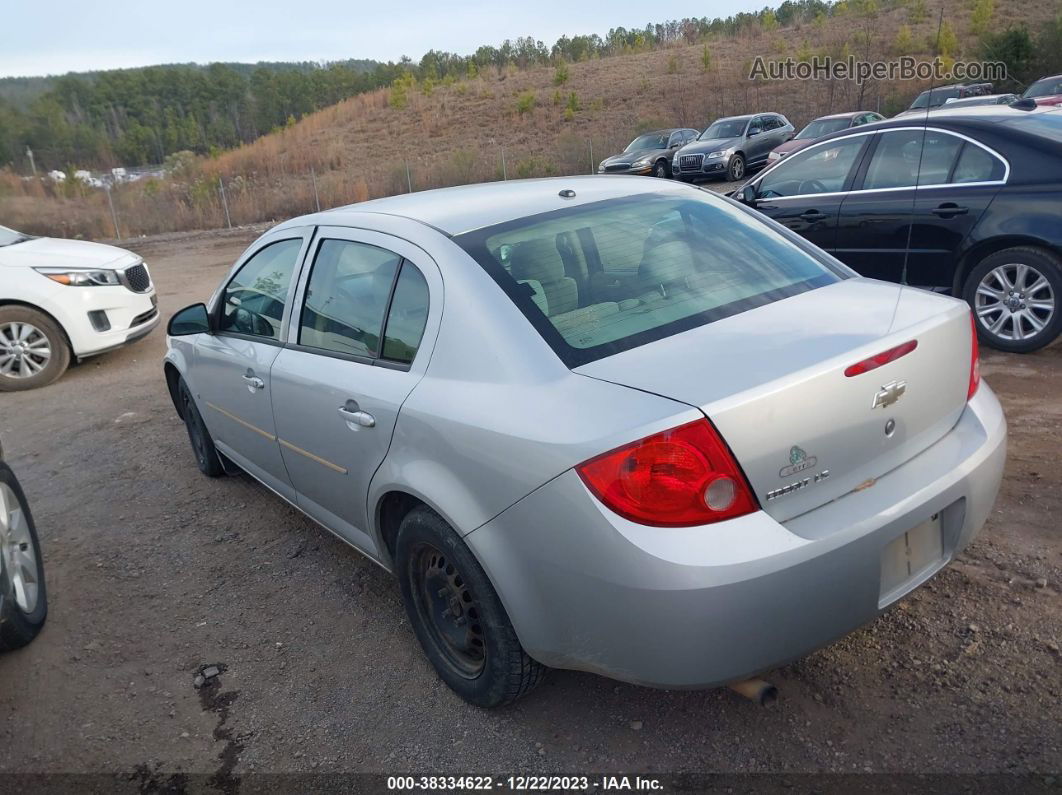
(1015, 296)
(206, 454)
(23, 598)
(736, 169)
(457, 616)
(33, 349)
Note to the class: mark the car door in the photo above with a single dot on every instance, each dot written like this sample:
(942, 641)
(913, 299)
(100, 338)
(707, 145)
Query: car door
(757, 146)
(804, 192)
(231, 367)
(916, 198)
(358, 345)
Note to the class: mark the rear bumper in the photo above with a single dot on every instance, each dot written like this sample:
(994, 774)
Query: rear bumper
(702, 606)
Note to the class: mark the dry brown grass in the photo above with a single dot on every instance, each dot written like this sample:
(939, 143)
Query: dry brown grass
(361, 147)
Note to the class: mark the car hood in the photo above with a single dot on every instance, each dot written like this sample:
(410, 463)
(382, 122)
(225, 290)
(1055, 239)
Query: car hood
(58, 252)
(792, 145)
(630, 157)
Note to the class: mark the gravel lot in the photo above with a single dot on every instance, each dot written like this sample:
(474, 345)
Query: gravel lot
(155, 571)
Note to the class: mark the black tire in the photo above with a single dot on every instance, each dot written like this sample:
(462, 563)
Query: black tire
(662, 170)
(457, 616)
(1007, 319)
(735, 170)
(46, 334)
(206, 454)
(17, 625)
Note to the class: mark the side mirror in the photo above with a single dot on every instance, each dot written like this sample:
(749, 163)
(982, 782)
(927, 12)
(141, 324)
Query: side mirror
(754, 131)
(747, 195)
(190, 320)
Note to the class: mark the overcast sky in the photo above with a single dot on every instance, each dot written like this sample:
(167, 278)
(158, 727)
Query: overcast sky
(58, 36)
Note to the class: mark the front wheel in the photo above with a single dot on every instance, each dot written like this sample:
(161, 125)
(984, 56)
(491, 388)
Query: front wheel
(736, 169)
(1015, 297)
(23, 598)
(206, 454)
(457, 616)
(661, 170)
(33, 350)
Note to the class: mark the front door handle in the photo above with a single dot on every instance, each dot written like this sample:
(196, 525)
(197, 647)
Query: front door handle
(949, 209)
(352, 413)
(254, 383)
(813, 215)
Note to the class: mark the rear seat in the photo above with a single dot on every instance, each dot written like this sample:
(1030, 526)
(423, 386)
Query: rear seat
(539, 261)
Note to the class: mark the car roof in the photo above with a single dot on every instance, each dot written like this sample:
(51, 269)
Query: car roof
(740, 118)
(453, 211)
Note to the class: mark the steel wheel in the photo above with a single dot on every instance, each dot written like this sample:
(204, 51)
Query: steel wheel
(1014, 301)
(448, 610)
(24, 350)
(17, 554)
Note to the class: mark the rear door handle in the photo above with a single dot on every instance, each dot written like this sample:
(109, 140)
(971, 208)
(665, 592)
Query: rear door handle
(253, 382)
(352, 413)
(949, 209)
(813, 215)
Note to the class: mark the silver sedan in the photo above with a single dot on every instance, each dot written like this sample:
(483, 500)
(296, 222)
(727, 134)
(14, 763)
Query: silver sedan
(598, 423)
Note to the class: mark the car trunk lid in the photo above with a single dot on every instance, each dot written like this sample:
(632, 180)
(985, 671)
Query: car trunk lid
(773, 382)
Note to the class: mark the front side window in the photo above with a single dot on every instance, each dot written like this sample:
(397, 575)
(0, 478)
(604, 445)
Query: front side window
(906, 158)
(696, 259)
(253, 301)
(348, 291)
(823, 169)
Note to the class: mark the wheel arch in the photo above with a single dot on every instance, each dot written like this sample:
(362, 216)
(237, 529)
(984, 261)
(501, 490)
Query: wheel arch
(173, 377)
(66, 337)
(984, 248)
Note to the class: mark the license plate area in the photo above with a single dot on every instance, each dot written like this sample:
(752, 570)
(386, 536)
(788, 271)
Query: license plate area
(910, 559)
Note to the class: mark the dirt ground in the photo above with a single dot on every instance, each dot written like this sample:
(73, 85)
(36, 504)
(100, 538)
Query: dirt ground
(155, 571)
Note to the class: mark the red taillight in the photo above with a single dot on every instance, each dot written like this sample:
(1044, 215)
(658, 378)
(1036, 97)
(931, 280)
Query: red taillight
(877, 360)
(975, 360)
(677, 478)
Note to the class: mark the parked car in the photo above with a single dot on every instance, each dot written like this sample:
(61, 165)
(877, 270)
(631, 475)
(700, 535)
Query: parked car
(966, 204)
(23, 597)
(986, 99)
(649, 153)
(599, 423)
(63, 299)
(1045, 91)
(824, 125)
(731, 146)
(935, 97)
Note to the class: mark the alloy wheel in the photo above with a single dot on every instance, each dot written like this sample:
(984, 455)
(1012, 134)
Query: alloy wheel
(24, 350)
(448, 610)
(737, 169)
(17, 553)
(1014, 301)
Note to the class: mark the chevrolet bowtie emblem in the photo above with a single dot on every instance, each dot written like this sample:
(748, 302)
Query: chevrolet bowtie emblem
(889, 394)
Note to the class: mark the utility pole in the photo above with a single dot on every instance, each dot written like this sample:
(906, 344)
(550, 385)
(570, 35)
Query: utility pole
(316, 198)
(409, 179)
(33, 164)
(114, 215)
(224, 201)
(505, 170)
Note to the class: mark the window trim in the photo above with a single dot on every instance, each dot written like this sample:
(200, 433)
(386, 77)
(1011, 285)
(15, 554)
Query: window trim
(217, 301)
(850, 179)
(1003, 181)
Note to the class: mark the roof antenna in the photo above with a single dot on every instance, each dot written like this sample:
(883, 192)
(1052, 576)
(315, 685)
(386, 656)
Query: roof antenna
(921, 154)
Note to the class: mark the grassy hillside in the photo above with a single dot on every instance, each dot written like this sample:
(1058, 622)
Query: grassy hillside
(536, 121)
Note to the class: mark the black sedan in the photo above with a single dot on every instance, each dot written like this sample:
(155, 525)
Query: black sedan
(965, 202)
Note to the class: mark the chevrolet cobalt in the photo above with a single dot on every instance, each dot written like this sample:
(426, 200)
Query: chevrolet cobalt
(600, 423)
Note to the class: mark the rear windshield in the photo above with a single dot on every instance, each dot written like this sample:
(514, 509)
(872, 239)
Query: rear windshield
(612, 275)
(822, 127)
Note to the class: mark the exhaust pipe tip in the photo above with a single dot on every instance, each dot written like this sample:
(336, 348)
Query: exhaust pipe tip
(757, 690)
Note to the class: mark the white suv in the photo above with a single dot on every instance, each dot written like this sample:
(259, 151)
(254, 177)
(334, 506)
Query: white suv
(66, 298)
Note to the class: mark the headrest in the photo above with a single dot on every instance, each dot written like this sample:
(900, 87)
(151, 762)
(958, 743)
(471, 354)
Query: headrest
(536, 260)
(669, 262)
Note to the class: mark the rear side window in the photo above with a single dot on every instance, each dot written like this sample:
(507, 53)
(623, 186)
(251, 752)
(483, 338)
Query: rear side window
(254, 299)
(686, 261)
(905, 158)
(976, 165)
(407, 316)
(349, 288)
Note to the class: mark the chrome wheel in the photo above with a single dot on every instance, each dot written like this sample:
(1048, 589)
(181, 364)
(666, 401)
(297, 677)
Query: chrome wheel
(17, 554)
(1014, 301)
(24, 350)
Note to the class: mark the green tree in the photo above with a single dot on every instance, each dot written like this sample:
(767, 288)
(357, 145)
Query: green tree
(981, 17)
(706, 59)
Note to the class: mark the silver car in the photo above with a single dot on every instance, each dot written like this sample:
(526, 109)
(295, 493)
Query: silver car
(730, 147)
(601, 423)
